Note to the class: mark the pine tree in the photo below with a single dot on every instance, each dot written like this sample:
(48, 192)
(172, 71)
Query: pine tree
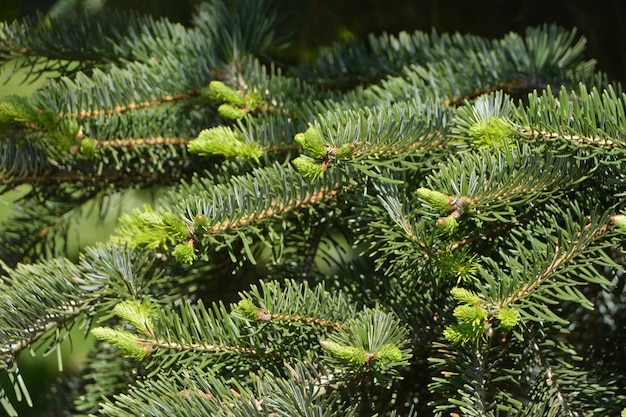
(419, 224)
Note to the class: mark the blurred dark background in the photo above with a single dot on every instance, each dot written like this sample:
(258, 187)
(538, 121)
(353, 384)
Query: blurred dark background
(320, 22)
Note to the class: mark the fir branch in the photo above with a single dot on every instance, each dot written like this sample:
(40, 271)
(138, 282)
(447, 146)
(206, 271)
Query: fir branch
(75, 42)
(550, 377)
(63, 291)
(137, 142)
(39, 223)
(197, 348)
(462, 377)
(296, 302)
(395, 171)
(19, 160)
(132, 106)
(54, 303)
(253, 199)
(538, 280)
(513, 62)
(594, 118)
(496, 184)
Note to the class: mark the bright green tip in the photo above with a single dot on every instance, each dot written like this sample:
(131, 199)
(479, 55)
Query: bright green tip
(389, 353)
(436, 199)
(447, 224)
(508, 317)
(127, 342)
(88, 148)
(248, 309)
(619, 220)
(348, 354)
(224, 141)
(465, 296)
(225, 93)
(137, 314)
(313, 143)
(184, 253)
(308, 168)
(491, 132)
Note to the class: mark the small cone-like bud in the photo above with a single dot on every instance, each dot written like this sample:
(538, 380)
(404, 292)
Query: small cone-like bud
(619, 220)
(87, 148)
(313, 143)
(509, 317)
(389, 353)
(184, 253)
(223, 140)
(228, 111)
(248, 309)
(308, 168)
(224, 92)
(201, 222)
(436, 199)
(448, 224)
(345, 151)
(346, 353)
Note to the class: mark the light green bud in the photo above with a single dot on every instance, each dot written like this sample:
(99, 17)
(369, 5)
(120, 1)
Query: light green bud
(224, 92)
(248, 309)
(389, 353)
(508, 317)
(448, 224)
(230, 112)
(438, 200)
(465, 296)
(313, 143)
(184, 253)
(308, 168)
(348, 354)
(126, 341)
(345, 151)
(493, 132)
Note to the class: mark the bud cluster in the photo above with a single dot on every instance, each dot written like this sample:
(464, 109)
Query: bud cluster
(237, 103)
(320, 153)
(474, 319)
(452, 207)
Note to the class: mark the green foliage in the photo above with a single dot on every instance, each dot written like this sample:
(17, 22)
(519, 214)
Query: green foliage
(147, 228)
(125, 341)
(224, 141)
(380, 226)
(491, 132)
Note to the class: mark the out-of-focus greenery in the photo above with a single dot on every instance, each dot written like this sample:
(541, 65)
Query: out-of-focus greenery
(321, 22)
(41, 370)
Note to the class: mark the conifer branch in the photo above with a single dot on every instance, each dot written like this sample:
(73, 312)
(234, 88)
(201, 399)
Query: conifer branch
(37, 331)
(137, 142)
(132, 106)
(550, 378)
(560, 259)
(598, 141)
(436, 229)
(274, 209)
(200, 348)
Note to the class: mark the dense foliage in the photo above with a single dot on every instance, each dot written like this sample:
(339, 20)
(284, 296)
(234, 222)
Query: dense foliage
(411, 224)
